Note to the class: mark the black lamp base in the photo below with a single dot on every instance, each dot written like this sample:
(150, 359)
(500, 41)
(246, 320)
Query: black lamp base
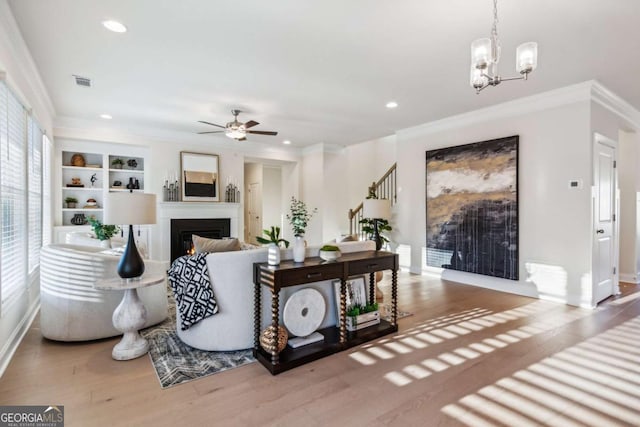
(376, 235)
(131, 264)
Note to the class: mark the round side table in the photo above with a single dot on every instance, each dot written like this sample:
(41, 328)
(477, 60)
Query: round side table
(130, 315)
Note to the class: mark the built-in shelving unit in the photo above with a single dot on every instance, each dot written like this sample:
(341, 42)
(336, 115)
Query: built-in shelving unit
(90, 183)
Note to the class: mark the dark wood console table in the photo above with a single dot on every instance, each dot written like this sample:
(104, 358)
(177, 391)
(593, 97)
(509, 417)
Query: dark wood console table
(336, 339)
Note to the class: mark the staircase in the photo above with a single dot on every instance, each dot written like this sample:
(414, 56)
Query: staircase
(385, 188)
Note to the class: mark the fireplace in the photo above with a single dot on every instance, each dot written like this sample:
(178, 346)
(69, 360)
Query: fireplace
(182, 229)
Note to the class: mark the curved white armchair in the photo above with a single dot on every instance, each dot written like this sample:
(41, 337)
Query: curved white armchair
(71, 309)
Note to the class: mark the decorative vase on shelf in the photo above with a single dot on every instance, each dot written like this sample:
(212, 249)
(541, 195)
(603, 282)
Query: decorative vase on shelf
(298, 249)
(273, 255)
(79, 219)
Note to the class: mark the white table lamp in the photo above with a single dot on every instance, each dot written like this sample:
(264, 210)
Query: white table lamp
(130, 209)
(376, 209)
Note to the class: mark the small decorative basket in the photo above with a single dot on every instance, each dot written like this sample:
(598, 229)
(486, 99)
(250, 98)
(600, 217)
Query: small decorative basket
(78, 160)
(266, 339)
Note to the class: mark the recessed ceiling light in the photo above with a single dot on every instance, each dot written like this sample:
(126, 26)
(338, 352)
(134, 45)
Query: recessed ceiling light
(286, 142)
(392, 104)
(115, 26)
(106, 116)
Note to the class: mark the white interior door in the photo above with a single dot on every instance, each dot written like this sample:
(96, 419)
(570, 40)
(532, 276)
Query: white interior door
(255, 213)
(604, 263)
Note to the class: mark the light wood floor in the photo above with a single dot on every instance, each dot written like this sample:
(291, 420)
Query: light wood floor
(468, 356)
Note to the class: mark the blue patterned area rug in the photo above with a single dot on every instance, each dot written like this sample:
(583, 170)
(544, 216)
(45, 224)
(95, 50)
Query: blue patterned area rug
(176, 363)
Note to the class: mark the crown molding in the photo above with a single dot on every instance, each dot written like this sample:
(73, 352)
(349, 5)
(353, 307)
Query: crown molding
(614, 103)
(580, 92)
(11, 38)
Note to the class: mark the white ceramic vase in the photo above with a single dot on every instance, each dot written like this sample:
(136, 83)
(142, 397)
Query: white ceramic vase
(273, 255)
(298, 249)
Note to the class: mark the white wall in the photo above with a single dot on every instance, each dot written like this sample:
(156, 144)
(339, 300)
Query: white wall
(272, 209)
(252, 175)
(367, 162)
(629, 184)
(554, 248)
(312, 192)
(336, 201)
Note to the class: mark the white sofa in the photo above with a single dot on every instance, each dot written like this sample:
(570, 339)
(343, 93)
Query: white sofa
(71, 309)
(231, 276)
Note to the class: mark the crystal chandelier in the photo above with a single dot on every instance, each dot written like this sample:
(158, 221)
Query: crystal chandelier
(485, 55)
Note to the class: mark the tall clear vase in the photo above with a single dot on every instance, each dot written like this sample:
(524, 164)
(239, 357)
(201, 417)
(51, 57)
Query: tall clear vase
(298, 249)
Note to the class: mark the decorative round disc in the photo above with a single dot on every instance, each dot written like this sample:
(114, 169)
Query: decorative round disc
(303, 312)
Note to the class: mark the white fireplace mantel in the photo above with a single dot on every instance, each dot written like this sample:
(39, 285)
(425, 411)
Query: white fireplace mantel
(186, 210)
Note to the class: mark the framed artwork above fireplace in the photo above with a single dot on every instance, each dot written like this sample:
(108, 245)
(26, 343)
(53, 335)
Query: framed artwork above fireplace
(200, 177)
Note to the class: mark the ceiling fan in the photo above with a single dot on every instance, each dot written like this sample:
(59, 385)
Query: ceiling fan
(237, 130)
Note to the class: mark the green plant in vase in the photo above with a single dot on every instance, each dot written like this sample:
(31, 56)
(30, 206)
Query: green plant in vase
(299, 218)
(117, 163)
(71, 202)
(273, 240)
(102, 231)
(273, 236)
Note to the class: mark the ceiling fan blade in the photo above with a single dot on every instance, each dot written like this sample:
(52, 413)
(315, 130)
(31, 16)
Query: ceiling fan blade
(212, 124)
(250, 124)
(242, 139)
(262, 132)
(213, 131)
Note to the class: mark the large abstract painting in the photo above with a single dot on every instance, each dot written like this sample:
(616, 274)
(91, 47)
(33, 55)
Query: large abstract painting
(472, 208)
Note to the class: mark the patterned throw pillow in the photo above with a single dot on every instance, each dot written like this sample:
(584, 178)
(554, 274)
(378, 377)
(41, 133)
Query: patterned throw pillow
(202, 244)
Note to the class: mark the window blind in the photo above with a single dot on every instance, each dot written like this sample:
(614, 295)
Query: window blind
(34, 179)
(13, 129)
(47, 225)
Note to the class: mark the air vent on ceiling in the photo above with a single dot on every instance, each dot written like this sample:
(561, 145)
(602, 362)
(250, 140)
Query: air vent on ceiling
(82, 81)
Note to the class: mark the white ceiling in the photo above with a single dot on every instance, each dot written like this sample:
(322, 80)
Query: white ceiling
(316, 71)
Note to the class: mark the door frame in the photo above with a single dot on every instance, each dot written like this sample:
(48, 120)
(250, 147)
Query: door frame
(615, 230)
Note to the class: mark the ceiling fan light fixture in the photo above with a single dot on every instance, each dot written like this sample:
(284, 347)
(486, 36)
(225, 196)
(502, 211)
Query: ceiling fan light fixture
(236, 132)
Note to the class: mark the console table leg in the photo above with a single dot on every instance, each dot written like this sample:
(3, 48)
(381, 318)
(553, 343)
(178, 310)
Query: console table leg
(372, 287)
(343, 310)
(257, 309)
(275, 322)
(394, 297)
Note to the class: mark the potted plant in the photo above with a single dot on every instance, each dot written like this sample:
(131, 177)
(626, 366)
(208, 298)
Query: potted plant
(71, 202)
(273, 240)
(330, 252)
(374, 227)
(368, 228)
(299, 218)
(117, 163)
(359, 317)
(102, 231)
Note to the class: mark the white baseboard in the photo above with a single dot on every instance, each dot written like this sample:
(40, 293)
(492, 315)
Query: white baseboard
(7, 352)
(629, 278)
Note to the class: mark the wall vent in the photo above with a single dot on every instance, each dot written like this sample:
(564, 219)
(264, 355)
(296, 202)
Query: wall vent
(82, 81)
